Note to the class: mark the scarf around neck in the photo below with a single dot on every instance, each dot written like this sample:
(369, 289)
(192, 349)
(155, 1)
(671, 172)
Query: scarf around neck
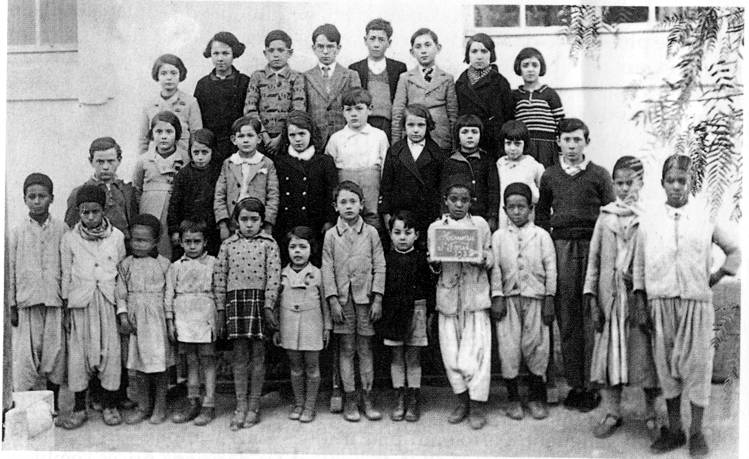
(103, 231)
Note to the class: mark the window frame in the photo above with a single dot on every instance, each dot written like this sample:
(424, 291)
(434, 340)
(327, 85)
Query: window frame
(38, 47)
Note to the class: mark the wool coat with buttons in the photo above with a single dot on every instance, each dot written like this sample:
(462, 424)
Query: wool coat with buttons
(480, 171)
(303, 312)
(306, 192)
(263, 186)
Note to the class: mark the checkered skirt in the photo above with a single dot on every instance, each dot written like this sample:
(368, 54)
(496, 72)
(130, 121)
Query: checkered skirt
(244, 314)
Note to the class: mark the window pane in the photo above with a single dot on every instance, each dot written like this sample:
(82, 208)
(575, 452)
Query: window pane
(59, 22)
(543, 15)
(21, 18)
(496, 15)
(624, 14)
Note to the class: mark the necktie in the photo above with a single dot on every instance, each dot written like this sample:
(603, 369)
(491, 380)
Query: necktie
(326, 77)
(428, 74)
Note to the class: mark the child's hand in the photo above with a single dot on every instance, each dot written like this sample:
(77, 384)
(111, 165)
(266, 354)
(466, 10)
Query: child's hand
(375, 312)
(596, 315)
(547, 313)
(14, 316)
(175, 239)
(325, 338)
(716, 277)
(267, 228)
(220, 324)
(270, 318)
(124, 324)
(499, 308)
(277, 339)
(336, 310)
(171, 331)
(223, 230)
(430, 327)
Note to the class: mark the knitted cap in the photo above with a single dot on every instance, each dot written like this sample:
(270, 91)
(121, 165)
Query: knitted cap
(91, 193)
(237, 47)
(148, 220)
(518, 188)
(37, 178)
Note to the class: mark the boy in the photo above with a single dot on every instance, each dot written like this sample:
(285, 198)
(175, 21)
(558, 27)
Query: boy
(34, 291)
(571, 196)
(359, 151)
(120, 208)
(275, 90)
(523, 287)
(327, 81)
(378, 74)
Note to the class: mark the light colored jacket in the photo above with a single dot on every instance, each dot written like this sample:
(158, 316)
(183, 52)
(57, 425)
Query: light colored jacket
(181, 104)
(325, 107)
(263, 184)
(525, 262)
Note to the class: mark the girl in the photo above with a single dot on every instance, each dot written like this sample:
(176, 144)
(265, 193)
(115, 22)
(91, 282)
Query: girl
(140, 310)
(516, 165)
(194, 188)
(463, 303)
(221, 93)
(307, 178)
(538, 106)
(476, 168)
(304, 321)
(621, 351)
(246, 173)
(353, 273)
(245, 281)
(89, 254)
(407, 309)
(169, 72)
(672, 265)
(484, 92)
(412, 171)
(194, 320)
(428, 85)
(155, 171)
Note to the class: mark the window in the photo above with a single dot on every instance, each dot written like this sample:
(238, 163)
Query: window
(624, 14)
(42, 25)
(496, 15)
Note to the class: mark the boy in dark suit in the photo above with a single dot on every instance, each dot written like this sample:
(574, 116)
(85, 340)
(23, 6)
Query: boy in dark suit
(378, 74)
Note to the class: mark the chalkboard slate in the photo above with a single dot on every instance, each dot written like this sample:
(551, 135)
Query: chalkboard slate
(450, 243)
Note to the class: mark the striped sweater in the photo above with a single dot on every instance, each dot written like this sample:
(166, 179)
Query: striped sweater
(540, 111)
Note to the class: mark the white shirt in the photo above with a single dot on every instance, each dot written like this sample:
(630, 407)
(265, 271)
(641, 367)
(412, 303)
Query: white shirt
(360, 149)
(376, 67)
(416, 148)
(245, 163)
(331, 69)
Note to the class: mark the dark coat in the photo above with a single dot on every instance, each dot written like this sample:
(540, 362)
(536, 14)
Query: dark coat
(192, 199)
(491, 100)
(481, 174)
(392, 67)
(406, 185)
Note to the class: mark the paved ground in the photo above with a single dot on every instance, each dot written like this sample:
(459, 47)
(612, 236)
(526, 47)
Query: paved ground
(564, 433)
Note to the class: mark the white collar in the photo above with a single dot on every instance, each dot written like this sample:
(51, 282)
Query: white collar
(330, 67)
(366, 129)
(417, 144)
(238, 160)
(306, 155)
(376, 67)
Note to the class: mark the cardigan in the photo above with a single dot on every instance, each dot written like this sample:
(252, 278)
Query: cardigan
(490, 98)
(576, 201)
(525, 262)
(221, 102)
(414, 186)
(121, 206)
(325, 107)
(480, 170)
(181, 104)
(272, 95)
(192, 196)
(306, 192)
(437, 95)
(393, 69)
(408, 279)
(263, 184)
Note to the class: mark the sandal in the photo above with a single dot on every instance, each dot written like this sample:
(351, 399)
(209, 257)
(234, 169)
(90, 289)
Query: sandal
(607, 426)
(112, 416)
(237, 421)
(75, 420)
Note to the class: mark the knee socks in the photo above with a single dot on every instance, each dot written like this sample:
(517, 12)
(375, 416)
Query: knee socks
(674, 413)
(312, 368)
(397, 367)
(413, 367)
(55, 388)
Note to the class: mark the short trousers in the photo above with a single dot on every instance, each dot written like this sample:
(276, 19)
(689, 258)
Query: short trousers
(355, 320)
(417, 335)
(199, 348)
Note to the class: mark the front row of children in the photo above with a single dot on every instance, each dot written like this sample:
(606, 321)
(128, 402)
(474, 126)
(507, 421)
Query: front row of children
(647, 287)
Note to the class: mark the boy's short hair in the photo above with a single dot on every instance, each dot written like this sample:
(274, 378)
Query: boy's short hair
(202, 136)
(520, 189)
(329, 31)
(102, 144)
(349, 186)
(458, 181)
(167, 117)
(278, 34)
(526, 53)
(193, 226)
(356, 96)
(149, 221)
(424, 31)
(37, 178)
(676, 161)
(485, 40)
(379, 24)
(422, 112)
(406, 216)
(571, 125)
(230, 40)
(170, 59)
(629, 163)
(302, 232)
(250, 205)
(254, 123)
(469, 120)
(515, 130)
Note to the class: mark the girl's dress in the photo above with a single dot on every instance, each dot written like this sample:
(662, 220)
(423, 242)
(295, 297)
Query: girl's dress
(304, 314)
(540, 111)
(140, 294)
(189, 299)
(192, 199)
(153, 180)
(181, 104)
(622, 352)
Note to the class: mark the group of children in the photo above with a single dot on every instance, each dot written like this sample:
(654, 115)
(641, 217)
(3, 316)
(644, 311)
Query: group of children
(284, 206)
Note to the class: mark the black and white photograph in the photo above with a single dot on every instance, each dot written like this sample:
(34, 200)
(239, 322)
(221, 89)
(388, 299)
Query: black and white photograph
(373, 228)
